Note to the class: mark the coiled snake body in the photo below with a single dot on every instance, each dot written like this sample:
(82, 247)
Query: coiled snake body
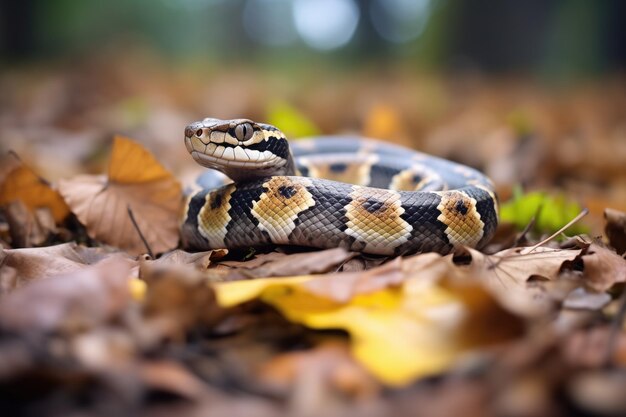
(376, 198)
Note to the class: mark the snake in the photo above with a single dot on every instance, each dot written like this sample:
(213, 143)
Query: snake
(347, 191)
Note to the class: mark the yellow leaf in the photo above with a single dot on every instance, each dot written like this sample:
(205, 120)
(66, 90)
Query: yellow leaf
(19, 182)
(292, 122)
(237, 292)
(137, 289)
(383, 121)
(399, 333)
(136, 182)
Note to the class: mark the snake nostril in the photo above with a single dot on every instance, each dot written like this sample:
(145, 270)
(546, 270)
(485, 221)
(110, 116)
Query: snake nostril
(199, 132)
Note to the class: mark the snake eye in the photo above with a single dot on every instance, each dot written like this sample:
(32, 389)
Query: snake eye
(188, 132)
(243, 131)
(199, 132)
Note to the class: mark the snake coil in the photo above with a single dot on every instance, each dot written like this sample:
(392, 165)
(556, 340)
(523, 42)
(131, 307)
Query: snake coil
(338, 191)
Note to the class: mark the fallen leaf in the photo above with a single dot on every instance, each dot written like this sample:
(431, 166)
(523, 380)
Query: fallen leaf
(26, 230)
(136, 182)
(550, 213)
(602, 268)
(200, 260)
(77, 300)
(294, 123)
(384, 121)
(400, 329)
(172, 377)
(20, 182)
(581, 299)
(507, 274)
(599, 392)
(342, 287)
(177, 297)
(327, 367)
(32, 264)
(271, 265)
(105, 348)
(615, 229)
(8, 277)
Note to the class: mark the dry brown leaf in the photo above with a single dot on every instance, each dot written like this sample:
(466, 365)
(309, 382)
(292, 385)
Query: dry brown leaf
(177, 298)
(80, 299)
(269, 265)
(328, 366)
(602, 268)
(25, 228)
(173, 378)
(8, 277)
(36, 263)
(581, 299)
(136, 182)
(615, 229)
(19, 182)
(599, 392)
(342, 287)
(507, 274)
(200, 260)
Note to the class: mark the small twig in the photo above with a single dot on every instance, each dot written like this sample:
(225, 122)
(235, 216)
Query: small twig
(615, 330)
(561, 230)
(141, 236)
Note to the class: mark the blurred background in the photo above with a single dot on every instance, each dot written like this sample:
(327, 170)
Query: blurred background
(533, 92)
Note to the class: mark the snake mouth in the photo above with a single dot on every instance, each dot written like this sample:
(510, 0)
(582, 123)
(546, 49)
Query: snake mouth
(223, 157)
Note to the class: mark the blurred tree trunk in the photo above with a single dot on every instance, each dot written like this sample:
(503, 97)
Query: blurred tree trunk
(17, 37)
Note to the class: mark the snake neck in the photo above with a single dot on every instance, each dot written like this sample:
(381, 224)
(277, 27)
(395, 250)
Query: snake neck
(242, 175)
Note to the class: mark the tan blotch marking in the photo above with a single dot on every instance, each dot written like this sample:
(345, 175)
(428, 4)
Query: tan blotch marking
(374, 218)
(354, 173)
(213, 216)
(491, 193)
(279, 206)
(404, 180)
(459, 214)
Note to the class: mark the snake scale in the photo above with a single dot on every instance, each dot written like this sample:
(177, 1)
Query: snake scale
(334, 191)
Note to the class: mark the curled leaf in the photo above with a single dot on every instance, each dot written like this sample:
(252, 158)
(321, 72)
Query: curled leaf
(137, 183)
(524, 282)
(602, 268)
(20, 182)
(615, 229)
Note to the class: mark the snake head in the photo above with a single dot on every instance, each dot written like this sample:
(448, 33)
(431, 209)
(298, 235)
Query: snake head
(241, 148)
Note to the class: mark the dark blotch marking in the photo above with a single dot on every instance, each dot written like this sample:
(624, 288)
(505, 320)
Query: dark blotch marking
(274, 145)
(372, 205)
(216, 201)
(461, 207)
(417, 178)
(338, 167)
(287, 191)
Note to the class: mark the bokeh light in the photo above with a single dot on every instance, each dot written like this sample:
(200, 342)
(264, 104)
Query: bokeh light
(269, 22)
(326, 24)
(400, 20)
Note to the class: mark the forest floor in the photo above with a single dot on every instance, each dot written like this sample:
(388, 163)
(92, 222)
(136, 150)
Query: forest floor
(102, 311)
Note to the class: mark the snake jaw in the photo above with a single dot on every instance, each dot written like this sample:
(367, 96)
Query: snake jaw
(239, 148)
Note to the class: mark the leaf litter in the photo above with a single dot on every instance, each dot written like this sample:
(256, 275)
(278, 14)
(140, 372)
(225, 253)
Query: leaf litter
(328, 330)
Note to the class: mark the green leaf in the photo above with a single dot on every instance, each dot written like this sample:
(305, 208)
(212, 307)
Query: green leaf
(291, 121)
(551, 212)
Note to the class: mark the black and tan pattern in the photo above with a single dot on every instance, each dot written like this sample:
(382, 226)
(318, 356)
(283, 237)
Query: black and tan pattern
(373, 197)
